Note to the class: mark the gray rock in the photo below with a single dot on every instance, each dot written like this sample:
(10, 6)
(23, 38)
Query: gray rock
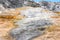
(44, 4)
(56, 8)
(31, 3)
(29, 30)
(18, 3)
(11, 3)
(53, 6)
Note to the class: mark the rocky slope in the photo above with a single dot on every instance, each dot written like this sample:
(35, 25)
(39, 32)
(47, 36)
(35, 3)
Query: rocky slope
(53, 6)
(39, 22)
(43, 18)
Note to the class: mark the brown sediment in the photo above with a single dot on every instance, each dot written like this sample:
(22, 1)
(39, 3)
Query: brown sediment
(53, 32)
(7, 23)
